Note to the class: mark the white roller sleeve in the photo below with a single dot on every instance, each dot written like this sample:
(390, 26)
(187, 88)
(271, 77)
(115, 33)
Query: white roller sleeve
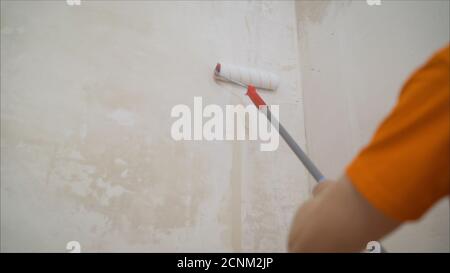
(248, 76)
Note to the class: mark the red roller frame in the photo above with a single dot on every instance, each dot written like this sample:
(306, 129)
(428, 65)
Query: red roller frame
(254, 96)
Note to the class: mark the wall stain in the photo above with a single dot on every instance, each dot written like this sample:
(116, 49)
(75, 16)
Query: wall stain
(311, 11)
(141, 202)
(236, 197)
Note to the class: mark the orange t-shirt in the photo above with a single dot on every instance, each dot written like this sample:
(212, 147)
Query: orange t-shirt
(405, 168)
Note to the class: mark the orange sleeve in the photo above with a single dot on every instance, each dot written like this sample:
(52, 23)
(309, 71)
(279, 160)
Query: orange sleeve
(405, 168)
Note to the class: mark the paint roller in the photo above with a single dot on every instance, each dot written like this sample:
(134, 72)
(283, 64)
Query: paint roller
(247, 76)
(252, 79)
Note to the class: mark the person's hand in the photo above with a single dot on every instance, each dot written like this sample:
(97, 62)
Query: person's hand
(329, 221)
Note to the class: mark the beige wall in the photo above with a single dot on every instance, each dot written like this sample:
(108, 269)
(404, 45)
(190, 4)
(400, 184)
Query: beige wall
(86, 96)
(354, 58)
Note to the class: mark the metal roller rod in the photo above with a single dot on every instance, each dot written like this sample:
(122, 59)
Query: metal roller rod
(309, 165)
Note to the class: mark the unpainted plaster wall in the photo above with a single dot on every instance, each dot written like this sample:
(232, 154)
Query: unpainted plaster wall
(86, 151)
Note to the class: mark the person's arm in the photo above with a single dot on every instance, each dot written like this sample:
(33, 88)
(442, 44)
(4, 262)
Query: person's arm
(399, 175)
(337, 219)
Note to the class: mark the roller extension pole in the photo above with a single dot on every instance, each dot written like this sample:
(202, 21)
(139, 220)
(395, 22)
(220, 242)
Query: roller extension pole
(309, 165)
